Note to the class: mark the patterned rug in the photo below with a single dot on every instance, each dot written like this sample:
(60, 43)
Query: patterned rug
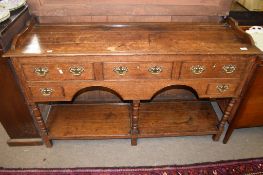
(236, 167)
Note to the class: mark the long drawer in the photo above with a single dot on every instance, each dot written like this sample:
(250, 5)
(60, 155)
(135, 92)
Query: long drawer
(206, 69)
(58, 71)
(137, 70)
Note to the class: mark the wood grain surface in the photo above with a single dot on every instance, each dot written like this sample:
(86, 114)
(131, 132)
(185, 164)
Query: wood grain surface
(112, 39)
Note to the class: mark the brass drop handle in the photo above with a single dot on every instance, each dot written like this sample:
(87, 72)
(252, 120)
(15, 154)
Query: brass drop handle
(198, 69)
(41, 71)
(46, 91)
(121, 70)
(76, 71)
(229, 69)
(222, 88)
(155, 70)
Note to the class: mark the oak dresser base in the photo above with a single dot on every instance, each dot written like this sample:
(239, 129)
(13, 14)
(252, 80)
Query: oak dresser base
(56, 63)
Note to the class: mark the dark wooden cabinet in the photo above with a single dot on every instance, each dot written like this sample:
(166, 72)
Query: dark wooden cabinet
(250, 113)
(14, 113)
(251, 108)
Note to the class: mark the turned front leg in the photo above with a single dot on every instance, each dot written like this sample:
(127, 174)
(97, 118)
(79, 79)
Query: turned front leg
(134, 122)
(229, 112)
(40, 124)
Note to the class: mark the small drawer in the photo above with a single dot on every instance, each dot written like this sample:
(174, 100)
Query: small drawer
(59, 71)
(191, 70)
(137, 70)
(77, 71)
(221, 89)
(47, 91)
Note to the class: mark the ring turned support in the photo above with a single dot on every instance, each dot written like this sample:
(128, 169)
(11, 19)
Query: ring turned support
(134, 122)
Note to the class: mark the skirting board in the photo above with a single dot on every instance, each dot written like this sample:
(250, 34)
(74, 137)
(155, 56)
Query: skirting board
(25, 142)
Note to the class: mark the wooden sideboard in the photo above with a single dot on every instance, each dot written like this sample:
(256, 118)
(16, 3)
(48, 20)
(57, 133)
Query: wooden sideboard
(14, 113)
(56, 63)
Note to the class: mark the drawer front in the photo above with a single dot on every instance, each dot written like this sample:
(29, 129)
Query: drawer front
(137, 70)
(191, 70)
(47, 92)
(60, 71)
(222, 89)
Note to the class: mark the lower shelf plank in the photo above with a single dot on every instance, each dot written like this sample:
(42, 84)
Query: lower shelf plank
(89, 121)
(156, 119)
(177, 119)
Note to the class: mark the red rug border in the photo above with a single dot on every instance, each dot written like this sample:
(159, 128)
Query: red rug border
(141, 168)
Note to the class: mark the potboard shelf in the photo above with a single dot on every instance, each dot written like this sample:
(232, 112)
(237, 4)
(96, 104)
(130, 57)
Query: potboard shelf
(156, 119)
(89, 121)
(177, 118)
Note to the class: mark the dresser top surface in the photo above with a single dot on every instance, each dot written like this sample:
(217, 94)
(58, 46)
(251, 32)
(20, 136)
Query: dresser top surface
(129, 39)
